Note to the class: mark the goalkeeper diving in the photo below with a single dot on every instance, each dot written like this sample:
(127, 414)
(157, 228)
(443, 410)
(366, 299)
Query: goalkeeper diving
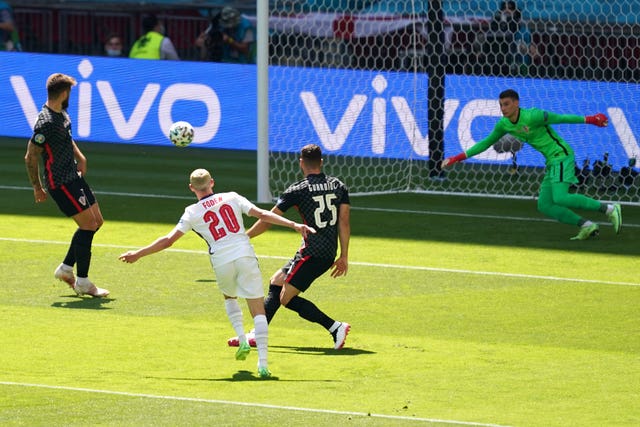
(533, 126)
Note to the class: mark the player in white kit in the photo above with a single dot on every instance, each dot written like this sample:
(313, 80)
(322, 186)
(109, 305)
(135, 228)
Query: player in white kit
(217, 218)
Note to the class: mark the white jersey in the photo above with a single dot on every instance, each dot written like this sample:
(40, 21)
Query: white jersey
(218, 220)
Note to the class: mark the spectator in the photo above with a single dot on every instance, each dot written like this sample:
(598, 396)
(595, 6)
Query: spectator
(229, 38)
(501, 46)
(153, 44)
(526, 53)
(9, 38)
(113, 46)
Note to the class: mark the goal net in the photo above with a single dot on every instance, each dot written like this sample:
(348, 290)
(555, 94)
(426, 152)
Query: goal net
(390, 88)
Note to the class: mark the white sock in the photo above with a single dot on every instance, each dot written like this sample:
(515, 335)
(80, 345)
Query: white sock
(262, 338)
(234, 313)
(65, 267)
(587, 223)
(609, 209)
(335, 326)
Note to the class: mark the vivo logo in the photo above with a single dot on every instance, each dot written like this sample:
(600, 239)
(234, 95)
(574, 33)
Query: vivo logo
(333, 140)
(128, 127)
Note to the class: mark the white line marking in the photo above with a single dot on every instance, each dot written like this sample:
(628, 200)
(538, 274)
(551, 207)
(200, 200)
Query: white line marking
(257, 405)
(369, 264)
(454, 214)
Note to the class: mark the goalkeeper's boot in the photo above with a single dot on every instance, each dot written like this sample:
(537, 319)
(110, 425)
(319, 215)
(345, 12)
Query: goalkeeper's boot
(243, 351)
(235, 341)
(340, 335)
(616, 218)
(83, 286)
(587, 231)
(264, 372)
(65, 274)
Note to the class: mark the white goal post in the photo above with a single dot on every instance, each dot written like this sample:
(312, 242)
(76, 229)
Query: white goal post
(389, 88)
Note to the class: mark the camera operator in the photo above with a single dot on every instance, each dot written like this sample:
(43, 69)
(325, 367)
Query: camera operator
(230, 37)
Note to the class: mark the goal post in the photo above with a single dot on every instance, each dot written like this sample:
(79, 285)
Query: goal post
(357, 78)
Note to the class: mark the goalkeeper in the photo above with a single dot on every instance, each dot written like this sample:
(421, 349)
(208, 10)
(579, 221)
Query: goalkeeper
(533, 126)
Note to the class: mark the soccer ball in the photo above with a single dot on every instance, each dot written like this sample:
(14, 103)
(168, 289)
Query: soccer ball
(181, 134)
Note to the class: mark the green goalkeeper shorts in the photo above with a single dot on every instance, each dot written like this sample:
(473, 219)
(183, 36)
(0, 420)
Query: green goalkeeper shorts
(559, 171)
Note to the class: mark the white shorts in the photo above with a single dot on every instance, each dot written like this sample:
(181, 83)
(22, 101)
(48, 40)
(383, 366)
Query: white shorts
(240, 278)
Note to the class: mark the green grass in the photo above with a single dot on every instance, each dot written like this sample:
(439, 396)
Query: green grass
(463, 310)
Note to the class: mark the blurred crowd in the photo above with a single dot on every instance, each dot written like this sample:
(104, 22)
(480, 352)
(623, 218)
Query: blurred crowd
(504, 44)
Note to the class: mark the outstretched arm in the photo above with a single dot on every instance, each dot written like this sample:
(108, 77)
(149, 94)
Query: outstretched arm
(273, 218)
(159, 244)
(261, 226)
(477, 148)
(549, 118)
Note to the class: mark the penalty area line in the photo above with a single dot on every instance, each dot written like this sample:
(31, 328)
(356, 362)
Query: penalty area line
(368, 264)
(249, 404)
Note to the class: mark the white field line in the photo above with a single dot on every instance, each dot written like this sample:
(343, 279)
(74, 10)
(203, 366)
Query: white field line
(454, 214)
(369, 264)
(256, 405)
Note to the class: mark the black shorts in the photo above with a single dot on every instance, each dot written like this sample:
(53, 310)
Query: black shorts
(73, 197)
(302, 270)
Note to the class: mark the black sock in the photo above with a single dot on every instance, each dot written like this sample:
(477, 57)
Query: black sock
(308, 311)
(83, 251)
(70, 258)
(272, 301)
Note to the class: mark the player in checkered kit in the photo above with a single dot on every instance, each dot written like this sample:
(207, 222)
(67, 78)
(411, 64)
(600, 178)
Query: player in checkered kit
(323, 203)
(52, 153)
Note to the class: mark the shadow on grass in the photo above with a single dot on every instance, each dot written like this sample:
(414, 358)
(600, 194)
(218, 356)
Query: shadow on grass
(318, 350)
(245, 376)
(85, 303)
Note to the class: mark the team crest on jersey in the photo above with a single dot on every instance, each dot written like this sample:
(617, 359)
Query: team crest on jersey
(525, 129)
(39, 138)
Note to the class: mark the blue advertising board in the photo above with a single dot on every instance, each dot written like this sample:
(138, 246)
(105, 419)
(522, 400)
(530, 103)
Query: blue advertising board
(348, 112)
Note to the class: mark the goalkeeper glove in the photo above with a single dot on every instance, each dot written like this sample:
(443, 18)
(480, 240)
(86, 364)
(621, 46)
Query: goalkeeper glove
(453, 159)
(599, 120)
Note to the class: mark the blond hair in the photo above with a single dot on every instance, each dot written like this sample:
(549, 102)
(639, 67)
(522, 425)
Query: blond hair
(200, 179)
(58, 83)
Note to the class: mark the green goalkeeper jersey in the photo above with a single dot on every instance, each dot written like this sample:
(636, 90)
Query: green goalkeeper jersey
(534, 128)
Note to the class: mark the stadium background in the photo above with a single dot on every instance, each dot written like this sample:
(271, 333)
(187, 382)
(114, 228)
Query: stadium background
(366, 47)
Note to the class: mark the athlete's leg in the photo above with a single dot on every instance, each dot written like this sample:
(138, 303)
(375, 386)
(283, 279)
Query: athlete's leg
(89, 221)
(306, 309)
(547, 206)
(553, 200)
(272, 299)
(234, 313)
(562, 197)
(260, 328)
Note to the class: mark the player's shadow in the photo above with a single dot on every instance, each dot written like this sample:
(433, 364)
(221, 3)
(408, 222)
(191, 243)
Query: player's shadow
(238, 376)
(85, 303)
(346, 351)
(246, 376)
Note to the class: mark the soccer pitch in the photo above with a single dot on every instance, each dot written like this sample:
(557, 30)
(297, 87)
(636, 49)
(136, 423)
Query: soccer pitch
(464, 311)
